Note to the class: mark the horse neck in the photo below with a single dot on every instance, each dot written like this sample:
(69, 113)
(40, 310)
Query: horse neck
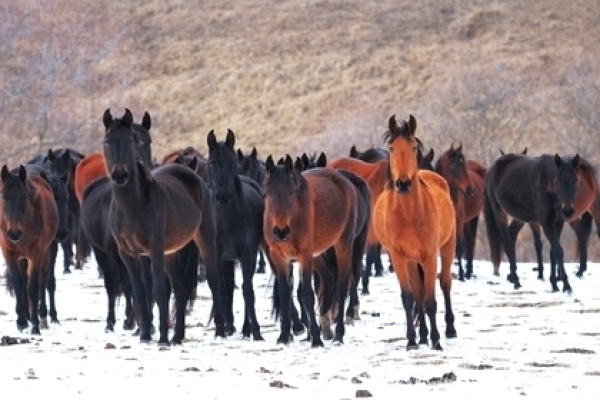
(133, 194)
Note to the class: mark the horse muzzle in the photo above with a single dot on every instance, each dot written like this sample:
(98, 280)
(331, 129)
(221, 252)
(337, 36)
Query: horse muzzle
(567, 211)
(223, 198)
(14, 235)
(119, 175)
(403, 186)
(281, 234)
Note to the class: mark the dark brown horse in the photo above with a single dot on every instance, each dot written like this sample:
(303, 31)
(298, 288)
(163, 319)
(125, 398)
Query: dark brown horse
(306, 214)
(28, 226)
(414, 219)
(536, 190)
(466, 179)
(154, 214)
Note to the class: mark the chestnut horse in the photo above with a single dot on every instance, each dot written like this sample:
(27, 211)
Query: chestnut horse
(154, 214)
(306, 214)
(466, 179)
(414, 219)
(28, 227)
(535, 190)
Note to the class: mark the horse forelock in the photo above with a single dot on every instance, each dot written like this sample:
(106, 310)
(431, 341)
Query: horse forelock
(402, 130)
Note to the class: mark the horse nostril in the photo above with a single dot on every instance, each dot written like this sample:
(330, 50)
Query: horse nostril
(470, 191)
(119, 175)
(14, 235)
(403, 186)
(223, 198)
(281, 234)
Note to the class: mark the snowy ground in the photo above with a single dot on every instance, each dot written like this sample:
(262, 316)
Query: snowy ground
(528, 342)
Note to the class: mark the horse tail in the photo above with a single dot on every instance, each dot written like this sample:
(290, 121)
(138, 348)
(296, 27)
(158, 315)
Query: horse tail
(327, 271)
(493, 231)
(189, 259)
(9, 287)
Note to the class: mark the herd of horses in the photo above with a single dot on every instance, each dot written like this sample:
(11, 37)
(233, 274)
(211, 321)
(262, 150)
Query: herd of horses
(151, 224)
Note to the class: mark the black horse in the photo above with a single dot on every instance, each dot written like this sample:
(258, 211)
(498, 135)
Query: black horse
(154, 214)
(239, 211)
(530, 190)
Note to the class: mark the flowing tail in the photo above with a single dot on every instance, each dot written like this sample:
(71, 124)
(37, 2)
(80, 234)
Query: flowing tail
(493, 231)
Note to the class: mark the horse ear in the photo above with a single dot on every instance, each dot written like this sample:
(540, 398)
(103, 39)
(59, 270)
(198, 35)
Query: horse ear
(193, 163)
(211, 139)
(66, 155)
(230, 139)
(127, 118)
(502, 152)
(240, 155)
(557, 161)
(178, 160)
(146, 121)
(51, 156)
(289, 164)
(353, 152)
(430, 155)
(269, 164)
(4, 173)
(459, 148)
(392, 124)
(576, 162)
(524, 150)
(107, 118)
(254, 153)
(305, 160)
(452, 148)
(322, 160)
(22, 173)
(280, 161)
(44, 176)
(299, 165)
(412, 124)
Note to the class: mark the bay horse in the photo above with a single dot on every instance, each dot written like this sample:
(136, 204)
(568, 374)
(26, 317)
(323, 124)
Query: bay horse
(466, 179)
(306, 214)
(239, 208)
(28, 227)
(414, 219)
(547, 187)
(154, 214)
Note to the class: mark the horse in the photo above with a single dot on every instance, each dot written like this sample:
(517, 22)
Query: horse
(154, 214)
(374, 155)
(239, 208)
(28, 227)
(466, 179)
(535, 190)
(254, 168)
(62, 163)
(306, 214)
(414, 219)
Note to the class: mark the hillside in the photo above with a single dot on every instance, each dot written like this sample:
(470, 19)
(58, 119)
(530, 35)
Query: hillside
(294, 76)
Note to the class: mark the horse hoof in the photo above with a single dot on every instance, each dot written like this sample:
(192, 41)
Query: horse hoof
(451, 333)
(176, 341)
(337, 342)
(43, 323)
(365, 292)
(317, 342)
(128, 325)
(412, 346)
(35, 330)
(109, 328)
(285, 340)
(22, 326)
(298, 332)
(349, 321)
(540, 278)
(66, 271)
(328, 334)
(437, 346)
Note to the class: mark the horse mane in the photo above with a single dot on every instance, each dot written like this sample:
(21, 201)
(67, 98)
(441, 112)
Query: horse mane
(592, 176)
(396, 131)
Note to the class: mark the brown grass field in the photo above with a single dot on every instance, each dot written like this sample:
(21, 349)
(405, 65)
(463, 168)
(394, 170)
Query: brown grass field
(293, 76)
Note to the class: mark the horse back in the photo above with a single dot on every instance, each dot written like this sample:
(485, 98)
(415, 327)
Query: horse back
(333, 202)
(89, 169)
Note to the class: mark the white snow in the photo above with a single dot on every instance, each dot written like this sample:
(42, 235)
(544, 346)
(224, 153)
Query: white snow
(510, 343)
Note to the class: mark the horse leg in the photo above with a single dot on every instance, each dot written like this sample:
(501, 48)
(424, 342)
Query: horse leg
(110, 285)
(146, 269)
(430, 269)
(446, 256)
(416, 276)
(134, 270)
(36, 280)
(205, 240)
(67, 248)
(175, 282)
(377, 260)
(248, 263)
(552, 232)
(509, 235)
(343, 257)
(372, 254)
(537, 242)
(408, 298)
(51, 283)
(583, 230)
(460, 249)
(18, 282)
(308, 298)
(470, 241)
(228, 282)
(131, 307)
(299, 319)
(358, 247)
(285, 301)
(261, 263)
(157, 264)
